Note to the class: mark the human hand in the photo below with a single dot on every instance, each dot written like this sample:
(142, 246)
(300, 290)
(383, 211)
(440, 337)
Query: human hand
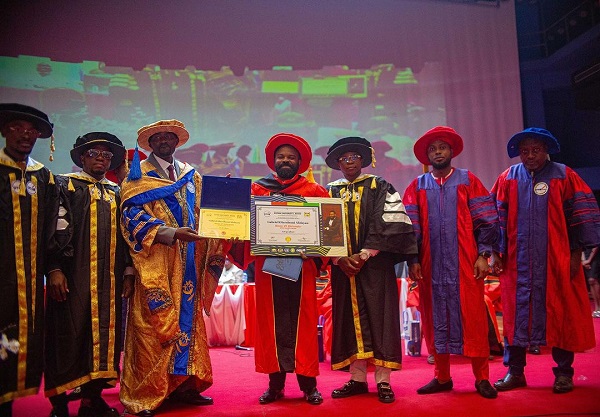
(128, 286)
(57, 286)
(351, 265)
(186, 234)
(481, 268)
(496, 263)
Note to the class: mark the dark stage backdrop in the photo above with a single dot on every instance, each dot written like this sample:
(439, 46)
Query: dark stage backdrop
(236, 72)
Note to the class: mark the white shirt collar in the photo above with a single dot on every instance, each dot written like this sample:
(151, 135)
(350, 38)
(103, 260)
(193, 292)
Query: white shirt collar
(165, 164)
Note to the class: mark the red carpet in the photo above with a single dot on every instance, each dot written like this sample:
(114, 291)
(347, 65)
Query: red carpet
(237, 387)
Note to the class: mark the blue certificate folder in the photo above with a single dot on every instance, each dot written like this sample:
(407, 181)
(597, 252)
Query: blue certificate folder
(287, 267)
(223, 193)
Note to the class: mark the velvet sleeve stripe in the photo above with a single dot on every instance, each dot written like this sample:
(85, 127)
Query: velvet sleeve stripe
(584, 209)
(393, 209)
(584, 220)
(485, 223)
(137, 223)
(413, 212)
(483, 211)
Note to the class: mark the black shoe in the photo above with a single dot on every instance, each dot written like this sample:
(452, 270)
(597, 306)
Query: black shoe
(97, 408)
(485, 389)
(313, 397)
(350, 388)
(270, 395)
(562, 384)
(145, 413)
(74, 395)
(535, 350)
(434, 386)
(6, 409)
(385, 393)
(59, 411)
(190, 396)
(510, 381)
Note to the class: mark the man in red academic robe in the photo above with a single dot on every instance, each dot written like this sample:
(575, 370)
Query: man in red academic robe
(548, 215)
(456, 225)
(286, 311)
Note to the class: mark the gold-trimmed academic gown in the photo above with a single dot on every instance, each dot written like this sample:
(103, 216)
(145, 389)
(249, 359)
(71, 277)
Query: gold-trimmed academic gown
(166, 345)
(28, 206)
(83, 333)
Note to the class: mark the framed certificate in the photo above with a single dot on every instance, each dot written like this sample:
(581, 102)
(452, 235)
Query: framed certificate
(225, 208)
(286, 225)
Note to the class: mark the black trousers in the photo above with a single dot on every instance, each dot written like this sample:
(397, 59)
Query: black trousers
(515, 359)
(306, 383)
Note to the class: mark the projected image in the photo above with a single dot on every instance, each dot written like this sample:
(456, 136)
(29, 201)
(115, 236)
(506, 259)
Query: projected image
(230, 117)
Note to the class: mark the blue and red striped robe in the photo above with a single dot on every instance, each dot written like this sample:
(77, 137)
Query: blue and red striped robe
(543, 218)
(454, 222)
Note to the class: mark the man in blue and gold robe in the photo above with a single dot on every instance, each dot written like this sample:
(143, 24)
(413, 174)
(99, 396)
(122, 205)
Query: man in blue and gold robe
(166, 350)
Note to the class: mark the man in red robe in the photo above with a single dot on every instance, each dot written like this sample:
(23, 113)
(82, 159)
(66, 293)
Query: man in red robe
(286, 311)
(548, 215)
(456, 224)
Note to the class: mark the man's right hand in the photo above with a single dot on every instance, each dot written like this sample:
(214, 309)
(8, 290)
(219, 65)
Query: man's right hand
(57, 285)
(351, 265)
(186, 234)
(497, 264)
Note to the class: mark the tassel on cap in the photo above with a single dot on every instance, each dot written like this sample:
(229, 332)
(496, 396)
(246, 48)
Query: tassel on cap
(135, 171)
(52, 148)
(309, 176)
(373, 157)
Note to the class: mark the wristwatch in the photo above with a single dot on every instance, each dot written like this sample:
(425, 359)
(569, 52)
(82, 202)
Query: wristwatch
(364, 255)
(486, 254)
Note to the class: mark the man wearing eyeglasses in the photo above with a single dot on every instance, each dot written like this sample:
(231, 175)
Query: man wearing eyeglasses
(366, 317)
(28, 204)
(86, 280)
(548, 215)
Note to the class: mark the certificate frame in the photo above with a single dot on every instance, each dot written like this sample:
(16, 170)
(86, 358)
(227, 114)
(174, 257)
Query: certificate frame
(225, 208)
(288, 225)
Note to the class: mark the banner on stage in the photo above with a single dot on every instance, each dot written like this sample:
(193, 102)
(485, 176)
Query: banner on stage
(288, 225)
(225, 208)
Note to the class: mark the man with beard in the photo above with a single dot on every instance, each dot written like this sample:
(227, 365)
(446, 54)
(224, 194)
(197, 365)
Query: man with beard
(28, 206)
(286, 311)
(456, 224)
(166, 351)
(366, 317)
(548, 215)
(86, 281)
